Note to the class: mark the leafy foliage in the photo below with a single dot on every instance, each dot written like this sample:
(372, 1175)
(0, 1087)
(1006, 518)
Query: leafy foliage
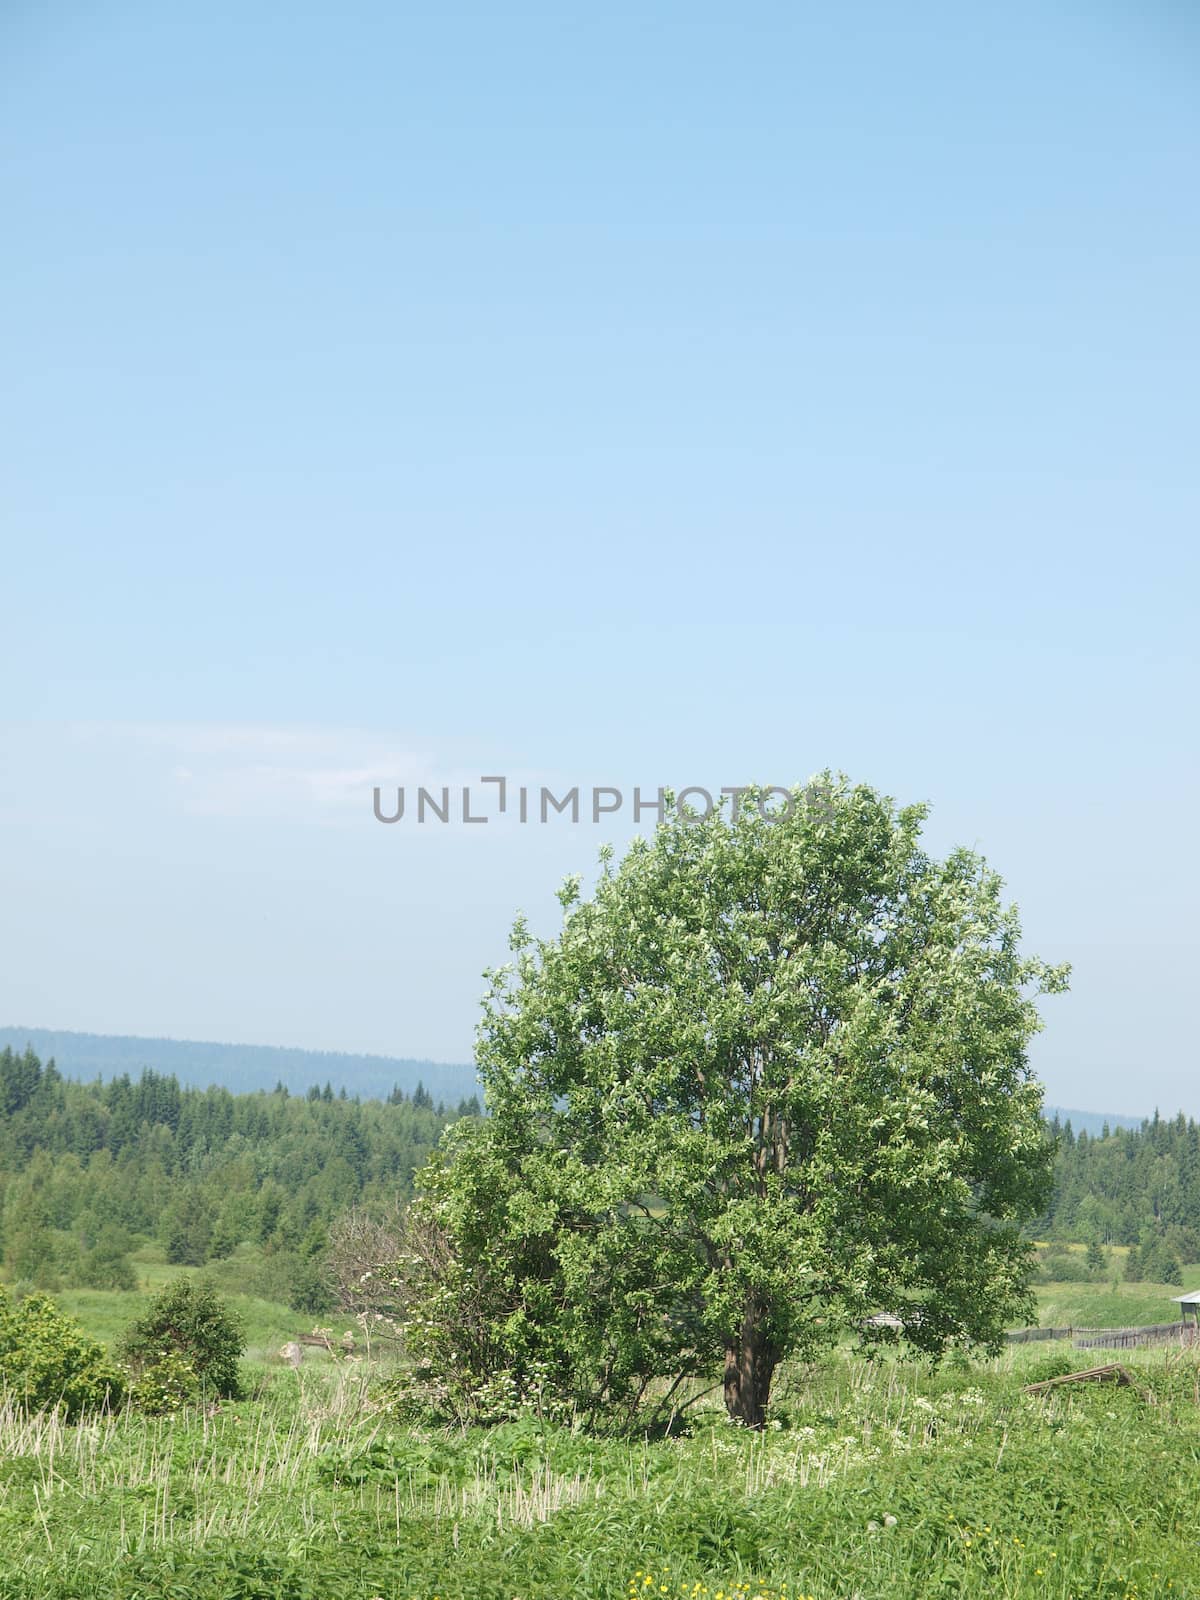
(47, 1361)
(185, 1325)
(165, 1384)
(769, 1079)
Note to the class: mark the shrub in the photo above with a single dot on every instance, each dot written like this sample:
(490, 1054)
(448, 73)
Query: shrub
(415, 1396)
(165, 1385)
(107, 1265)
(48, 1360)
(188, 1320)
(1064, 1266)
(1055, 1365)
(281, 1275)
(100, 1271)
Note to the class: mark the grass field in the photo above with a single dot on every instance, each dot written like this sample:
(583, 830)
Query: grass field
(879, 1481)
(1110, 1302)
(105, 1313)
(875, 1481)
(1101, 1305)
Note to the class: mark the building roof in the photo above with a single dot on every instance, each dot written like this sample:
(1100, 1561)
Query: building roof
(1192, 1299)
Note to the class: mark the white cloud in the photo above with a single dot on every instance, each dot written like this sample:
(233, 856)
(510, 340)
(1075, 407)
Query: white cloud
(315, 774)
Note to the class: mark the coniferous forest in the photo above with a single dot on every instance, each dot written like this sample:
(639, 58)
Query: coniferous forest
(88, 1171)
(1138, 1187)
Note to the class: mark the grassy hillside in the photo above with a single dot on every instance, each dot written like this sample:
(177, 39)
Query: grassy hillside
(1110, 1302)
(1104, 1305)
(105, 1313)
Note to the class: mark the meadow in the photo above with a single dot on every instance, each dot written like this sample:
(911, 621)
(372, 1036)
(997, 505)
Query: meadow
(874, 1481)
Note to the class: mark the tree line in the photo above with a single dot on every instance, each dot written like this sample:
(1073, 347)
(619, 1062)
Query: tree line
(88, 1171)
(1138, 1187)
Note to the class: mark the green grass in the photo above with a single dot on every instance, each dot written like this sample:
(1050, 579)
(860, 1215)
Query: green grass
(877, 1481)
(881, 1481)
(1105, 1305)
(106, 1313)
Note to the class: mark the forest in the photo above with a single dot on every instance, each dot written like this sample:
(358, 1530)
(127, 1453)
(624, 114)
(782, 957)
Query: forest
(88, 1171)
(1138, 1187)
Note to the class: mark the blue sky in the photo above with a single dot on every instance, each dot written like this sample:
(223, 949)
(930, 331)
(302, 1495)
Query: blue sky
(613, 395)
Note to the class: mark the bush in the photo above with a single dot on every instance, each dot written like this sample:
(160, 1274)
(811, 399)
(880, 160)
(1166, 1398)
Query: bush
(189, 1321)
(1064, 1266)
(1055, 1365)
(281, 1275)
(48, 1360)
(99, 1271)
(165, 1385)
(107, 1265)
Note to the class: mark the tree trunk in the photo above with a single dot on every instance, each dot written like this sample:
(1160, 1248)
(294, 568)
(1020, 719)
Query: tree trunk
(750, 1362)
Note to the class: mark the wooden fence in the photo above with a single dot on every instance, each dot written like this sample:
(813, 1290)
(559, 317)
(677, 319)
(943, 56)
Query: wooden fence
(1129, 1338)
(1110, 1338)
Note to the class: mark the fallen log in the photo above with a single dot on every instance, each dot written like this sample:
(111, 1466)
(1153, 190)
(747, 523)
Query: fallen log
(1114, 1372)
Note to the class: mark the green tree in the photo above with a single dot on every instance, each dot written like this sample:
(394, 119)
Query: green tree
(225, 1238)
(187, 1230)
(187, 1320)
(107, 1265)
(1097, 1257)
(770, 1078)
(29, 1253)
(1160, 1264)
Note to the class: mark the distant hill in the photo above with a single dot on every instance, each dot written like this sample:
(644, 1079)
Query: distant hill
(1090, 1122)
(244, 1067)
(260, 1066)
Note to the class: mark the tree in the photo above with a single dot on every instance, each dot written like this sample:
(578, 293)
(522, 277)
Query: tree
(225, 1237)
(770, 1078)
(188, 1321)
(358, 1246)
(107, 1265)
(29, 1240)
(1159, 1263)
(1097, 1257)
(187, 1230)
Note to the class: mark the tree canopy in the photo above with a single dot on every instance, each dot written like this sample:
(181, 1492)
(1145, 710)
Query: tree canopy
(770, 1078)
